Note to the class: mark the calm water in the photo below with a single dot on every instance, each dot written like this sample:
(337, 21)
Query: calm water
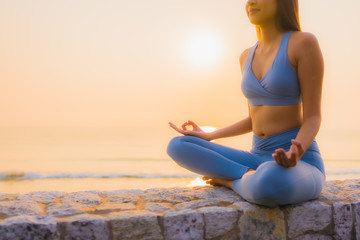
(76, 159)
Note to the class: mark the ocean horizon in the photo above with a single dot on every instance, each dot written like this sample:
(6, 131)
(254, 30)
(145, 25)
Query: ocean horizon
(75, 159)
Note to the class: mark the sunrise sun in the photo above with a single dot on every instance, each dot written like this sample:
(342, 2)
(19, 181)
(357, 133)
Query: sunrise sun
(202, 48)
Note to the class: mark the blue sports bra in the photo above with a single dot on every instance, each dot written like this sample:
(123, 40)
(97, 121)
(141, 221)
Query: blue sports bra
(279, 85)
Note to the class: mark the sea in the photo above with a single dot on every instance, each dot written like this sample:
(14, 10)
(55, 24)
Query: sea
(69, 159)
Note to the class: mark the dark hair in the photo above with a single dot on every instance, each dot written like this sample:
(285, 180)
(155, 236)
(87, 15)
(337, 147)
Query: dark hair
(287, 16)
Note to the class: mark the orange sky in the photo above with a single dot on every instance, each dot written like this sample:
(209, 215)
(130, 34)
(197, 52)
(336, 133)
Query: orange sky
(135, 63)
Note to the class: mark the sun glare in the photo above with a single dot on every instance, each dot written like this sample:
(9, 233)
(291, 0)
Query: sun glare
(203, 48)
(197, 182)
(208, 129)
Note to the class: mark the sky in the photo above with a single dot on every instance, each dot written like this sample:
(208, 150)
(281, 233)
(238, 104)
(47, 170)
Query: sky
(144, 63)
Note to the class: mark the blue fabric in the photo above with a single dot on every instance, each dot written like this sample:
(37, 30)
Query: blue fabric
(271, 184)
(278, 86)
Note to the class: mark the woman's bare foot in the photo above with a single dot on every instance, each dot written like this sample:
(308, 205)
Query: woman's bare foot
(224, 182)
(218, 181)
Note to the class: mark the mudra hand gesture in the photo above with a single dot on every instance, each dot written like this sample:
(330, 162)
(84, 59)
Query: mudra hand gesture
(196, 131)
(290, 158)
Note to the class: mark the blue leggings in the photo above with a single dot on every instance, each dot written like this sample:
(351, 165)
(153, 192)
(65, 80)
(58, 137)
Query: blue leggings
(272, 184)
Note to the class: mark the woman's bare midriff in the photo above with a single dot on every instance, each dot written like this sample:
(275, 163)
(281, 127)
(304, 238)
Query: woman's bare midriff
(268, 120)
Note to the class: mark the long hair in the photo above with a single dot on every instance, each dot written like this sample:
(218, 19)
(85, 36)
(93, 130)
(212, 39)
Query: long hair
(287, 16)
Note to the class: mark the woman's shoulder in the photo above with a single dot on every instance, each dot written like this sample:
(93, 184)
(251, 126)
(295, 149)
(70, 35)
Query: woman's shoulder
(243, 56)
(300, 43)
(301, 40)
(302, 37)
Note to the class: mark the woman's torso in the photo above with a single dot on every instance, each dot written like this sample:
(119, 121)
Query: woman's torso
(268, 120)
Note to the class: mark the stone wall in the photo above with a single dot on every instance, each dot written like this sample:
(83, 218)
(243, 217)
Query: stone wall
(203, 212)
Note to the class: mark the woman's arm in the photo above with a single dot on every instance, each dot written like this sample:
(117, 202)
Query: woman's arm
(238, 128)
(310, 68)
(310, 72)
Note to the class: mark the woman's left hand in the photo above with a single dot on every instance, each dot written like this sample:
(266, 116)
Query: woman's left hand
(290, 158)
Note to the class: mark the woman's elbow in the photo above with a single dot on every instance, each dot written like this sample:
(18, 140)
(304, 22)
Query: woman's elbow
(314, 120)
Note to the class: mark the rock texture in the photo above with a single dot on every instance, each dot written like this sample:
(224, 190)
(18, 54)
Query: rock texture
(202, 212)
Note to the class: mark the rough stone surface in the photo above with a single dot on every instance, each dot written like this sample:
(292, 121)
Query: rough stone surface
(85, 226)
(197, 204)
(55, 209)
(351, 190)
(200, 192)
(357, 219)
(258, 222)
(219, 220)
(333, 191)
(341, 190)
(135, 225)
(343, 220)
(313, 237)
(122, 198)
(166, 195)
(200, 212)
(20, 207)
(308, 216)
(28, 228)
(157, 207)
(110, 206)
(125, 191)
(82, 197)
(183, 224)
(8, 196)
(41, 197)
(225, 194)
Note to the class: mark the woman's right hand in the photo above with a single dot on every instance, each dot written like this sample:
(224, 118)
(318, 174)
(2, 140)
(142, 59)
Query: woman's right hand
(196, 131)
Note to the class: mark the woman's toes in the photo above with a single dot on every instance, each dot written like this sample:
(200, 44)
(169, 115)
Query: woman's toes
(210, 182)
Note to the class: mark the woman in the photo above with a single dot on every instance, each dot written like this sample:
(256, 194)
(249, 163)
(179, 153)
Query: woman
(282, 79)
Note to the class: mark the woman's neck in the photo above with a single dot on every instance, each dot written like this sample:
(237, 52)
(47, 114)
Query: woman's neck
(269, 35)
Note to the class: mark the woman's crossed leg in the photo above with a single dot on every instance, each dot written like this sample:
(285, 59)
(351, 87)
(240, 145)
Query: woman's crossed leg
(270, 185)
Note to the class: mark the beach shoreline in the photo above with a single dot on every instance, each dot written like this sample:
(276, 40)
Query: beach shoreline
(111, 184)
